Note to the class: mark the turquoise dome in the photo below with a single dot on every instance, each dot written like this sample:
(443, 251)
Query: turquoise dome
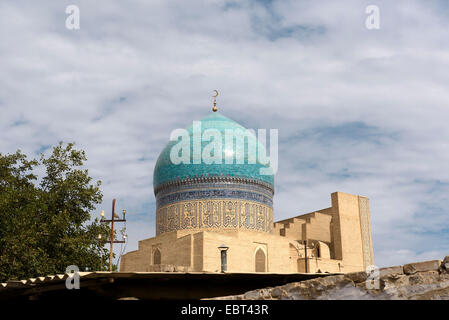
(165, 171)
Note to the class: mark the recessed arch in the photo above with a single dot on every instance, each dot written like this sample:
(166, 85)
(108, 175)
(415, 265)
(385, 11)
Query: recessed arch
(260, 259)
(157, 257)
(322, 250)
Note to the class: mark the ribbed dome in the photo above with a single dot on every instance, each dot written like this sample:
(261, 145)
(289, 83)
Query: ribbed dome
(165, 171)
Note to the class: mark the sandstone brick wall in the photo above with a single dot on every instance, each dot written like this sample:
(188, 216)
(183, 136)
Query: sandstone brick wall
(336, 231)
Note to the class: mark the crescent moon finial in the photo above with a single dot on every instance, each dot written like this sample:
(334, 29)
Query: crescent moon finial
(214, 109)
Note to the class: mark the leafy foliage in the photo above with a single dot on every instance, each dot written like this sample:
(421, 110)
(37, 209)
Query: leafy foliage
(45, 224)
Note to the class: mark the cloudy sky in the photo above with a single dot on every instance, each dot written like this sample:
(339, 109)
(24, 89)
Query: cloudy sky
(360, 111)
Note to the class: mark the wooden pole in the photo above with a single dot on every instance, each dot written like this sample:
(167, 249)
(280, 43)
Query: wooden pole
(112, 235)
(305, 256)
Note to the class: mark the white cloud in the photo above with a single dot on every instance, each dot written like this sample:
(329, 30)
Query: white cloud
(359, 111)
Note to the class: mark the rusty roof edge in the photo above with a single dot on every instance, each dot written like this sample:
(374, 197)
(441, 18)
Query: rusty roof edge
(13, 284)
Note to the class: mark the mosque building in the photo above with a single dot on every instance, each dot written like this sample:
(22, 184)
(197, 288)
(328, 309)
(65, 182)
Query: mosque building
(200, 207)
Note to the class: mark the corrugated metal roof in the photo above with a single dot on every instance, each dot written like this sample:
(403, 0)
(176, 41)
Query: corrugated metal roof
(83, 275)
(147, 285)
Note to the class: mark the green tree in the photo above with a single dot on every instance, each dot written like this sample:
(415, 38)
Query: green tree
(45, 224)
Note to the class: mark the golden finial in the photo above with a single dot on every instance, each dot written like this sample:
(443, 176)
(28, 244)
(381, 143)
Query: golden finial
(214, 109)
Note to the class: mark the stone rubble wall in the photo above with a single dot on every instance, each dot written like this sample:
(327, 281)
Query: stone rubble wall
(428, 280)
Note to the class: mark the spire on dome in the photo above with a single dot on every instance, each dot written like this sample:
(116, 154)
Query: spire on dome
(214, 109)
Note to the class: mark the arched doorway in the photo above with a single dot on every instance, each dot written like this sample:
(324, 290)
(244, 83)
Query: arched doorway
(260, 261)
(157, 257)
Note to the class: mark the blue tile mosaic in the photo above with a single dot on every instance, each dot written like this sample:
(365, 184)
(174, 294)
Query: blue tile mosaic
(213, 194)
(165, 171)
